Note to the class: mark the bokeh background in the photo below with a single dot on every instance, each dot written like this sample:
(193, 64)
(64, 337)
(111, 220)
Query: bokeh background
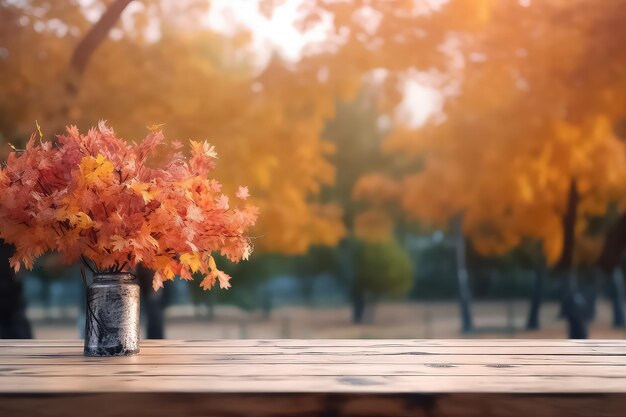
(424, 168)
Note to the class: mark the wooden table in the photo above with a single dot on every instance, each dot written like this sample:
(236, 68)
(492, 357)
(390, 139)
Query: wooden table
(233, 378)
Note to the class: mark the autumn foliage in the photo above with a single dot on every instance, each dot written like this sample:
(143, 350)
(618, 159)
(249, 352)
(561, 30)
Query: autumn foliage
(197, 82)
(532, 98)
(116, 204)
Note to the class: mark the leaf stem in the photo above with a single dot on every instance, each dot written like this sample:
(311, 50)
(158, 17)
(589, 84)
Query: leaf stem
(88, 265)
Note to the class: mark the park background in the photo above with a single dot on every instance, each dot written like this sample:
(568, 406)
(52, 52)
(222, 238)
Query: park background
(424, 168)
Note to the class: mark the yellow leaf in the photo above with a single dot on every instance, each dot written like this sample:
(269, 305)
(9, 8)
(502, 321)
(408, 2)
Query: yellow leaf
(142, 189)
(155, 128)
(191, 260)
(39, 130)
(96, 169)
(212, 265)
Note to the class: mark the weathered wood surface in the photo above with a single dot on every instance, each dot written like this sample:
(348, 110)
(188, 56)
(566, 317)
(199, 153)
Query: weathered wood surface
(317, 378)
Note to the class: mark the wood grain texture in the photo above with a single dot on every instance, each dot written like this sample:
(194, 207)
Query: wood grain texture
(317, 378)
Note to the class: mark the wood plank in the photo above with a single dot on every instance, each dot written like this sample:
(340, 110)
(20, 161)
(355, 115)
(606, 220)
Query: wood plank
(567, 350)
(384, 343)
(234, 378)
(262, 384)
(313, 404)
(74, 359)
(315, 369)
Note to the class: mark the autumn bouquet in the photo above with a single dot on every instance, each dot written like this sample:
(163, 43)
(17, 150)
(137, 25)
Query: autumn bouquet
(115, 205)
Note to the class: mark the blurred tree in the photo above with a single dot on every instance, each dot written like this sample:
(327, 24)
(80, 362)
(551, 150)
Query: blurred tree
(199, 83)
(157, 66)
(319, 260)
(50, 269)
(382, 270)
(253, 277)
(540, 176)
(525, 146)
(13, 321)
(357, 135)
(153, 303)
(540, 272)
(390, 42)
(528, 144)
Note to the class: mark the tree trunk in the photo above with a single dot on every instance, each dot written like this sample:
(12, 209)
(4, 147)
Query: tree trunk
(465, 294)
(574, 307)
(364, 308)
(98, 33)
(154, 305)
(613, 247)
(358, 308)
(617, 298)
(346, 267)
(81, 56)
(13, 321)
(608, 263)
(591, 297)
(537, 298)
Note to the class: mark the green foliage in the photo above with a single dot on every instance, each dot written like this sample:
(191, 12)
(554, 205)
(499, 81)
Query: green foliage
(382, 269)
(250, 276)
(318, 260)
